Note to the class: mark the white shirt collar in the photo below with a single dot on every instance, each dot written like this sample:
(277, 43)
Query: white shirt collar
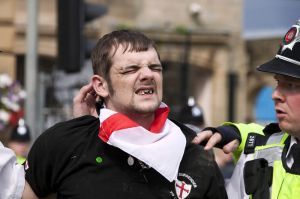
(289, 157)
(293, 141)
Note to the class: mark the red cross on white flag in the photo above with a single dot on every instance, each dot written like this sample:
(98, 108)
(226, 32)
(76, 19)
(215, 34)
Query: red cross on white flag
(182, 189)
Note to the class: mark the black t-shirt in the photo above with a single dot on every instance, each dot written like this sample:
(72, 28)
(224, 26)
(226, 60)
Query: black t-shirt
(71, 160)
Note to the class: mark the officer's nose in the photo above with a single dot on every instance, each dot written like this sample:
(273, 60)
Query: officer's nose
(277, 95)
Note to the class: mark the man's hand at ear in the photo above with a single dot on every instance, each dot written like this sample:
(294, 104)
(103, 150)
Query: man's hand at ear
(84, 103)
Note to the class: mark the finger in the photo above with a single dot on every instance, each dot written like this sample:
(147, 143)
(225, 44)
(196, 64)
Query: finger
(98, 98)
(94, 113)
(215, 139)
(83, 92)
(90, 99)
(204, 135)
(86, 91)
(231, 146)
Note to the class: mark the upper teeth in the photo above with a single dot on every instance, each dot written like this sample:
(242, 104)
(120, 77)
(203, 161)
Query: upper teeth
(143, 92)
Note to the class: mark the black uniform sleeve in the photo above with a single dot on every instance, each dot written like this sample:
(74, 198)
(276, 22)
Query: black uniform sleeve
(50, 154)
(228, 133)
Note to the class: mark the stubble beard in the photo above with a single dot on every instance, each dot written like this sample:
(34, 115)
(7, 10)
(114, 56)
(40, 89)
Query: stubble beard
(134, 108)
(146, 109)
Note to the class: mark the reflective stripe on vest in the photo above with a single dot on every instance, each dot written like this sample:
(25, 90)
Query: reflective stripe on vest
(272, 150)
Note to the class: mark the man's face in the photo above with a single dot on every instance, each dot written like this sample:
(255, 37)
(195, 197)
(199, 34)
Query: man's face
(287, 104)
(135, 82)
(20, 148)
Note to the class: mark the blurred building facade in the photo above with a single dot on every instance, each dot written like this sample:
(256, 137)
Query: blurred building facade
(200, 43)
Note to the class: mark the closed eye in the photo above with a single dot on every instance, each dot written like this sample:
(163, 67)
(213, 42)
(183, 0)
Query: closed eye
(156, 67)
(130, 69)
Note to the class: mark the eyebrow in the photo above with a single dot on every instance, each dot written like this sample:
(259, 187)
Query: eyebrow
(130, 66)
(4, 52)
(156, 64)
(137, 65)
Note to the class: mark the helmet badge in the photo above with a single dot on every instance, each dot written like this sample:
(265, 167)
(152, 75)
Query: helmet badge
(290, 36)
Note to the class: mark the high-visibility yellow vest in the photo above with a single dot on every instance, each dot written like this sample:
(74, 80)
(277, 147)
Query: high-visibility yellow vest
(21, 159)
(284, 185)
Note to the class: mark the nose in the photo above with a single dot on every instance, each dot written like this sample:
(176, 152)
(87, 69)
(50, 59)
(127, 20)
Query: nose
(146, 73)
(277, 95)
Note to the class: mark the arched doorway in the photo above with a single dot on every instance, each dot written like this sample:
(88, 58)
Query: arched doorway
(264, 112)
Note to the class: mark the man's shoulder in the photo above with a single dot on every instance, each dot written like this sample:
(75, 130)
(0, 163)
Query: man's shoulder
(73, 125)
(201, 167)
(187, 132)
(197, 154)
(68, 131)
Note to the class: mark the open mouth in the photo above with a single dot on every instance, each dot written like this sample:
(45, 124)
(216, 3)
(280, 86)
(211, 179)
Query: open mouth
(148, 91)
(280, 114)
(278, 111)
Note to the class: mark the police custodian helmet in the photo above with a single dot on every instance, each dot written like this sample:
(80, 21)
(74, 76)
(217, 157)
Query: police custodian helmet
(21, 132)
(287, 59)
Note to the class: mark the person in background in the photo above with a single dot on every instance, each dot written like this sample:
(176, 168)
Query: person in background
(225, 162)
(19, 141)
(192, 115)
(268, 158)
(12, 179)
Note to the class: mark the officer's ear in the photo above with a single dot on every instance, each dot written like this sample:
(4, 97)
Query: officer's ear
(100, 86)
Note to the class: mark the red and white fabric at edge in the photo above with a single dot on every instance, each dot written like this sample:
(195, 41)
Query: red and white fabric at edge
(161, 147)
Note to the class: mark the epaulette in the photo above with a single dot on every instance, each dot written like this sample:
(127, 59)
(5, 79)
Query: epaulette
(254, 140)
(272, 128)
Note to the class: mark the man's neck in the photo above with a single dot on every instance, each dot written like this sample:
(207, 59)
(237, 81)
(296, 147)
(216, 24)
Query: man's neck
(145, 120)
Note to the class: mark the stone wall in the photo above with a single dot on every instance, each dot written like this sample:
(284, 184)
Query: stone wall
(217, 47)
(8, 33)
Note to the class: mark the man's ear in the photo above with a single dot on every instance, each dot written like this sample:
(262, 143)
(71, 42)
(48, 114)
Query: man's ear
(100, 86)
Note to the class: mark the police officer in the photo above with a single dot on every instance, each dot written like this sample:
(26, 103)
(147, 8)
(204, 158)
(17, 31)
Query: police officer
(192, 115)
(269, 157)
(19, 141)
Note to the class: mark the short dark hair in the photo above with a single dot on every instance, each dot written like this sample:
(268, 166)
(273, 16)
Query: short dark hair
(106, 47)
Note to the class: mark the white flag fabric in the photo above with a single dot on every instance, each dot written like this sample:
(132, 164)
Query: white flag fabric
(161, 147)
